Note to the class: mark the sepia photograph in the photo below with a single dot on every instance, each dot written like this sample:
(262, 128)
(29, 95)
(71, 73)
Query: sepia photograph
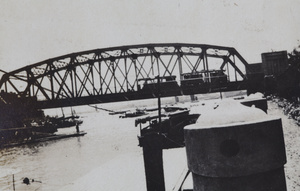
(157, 95)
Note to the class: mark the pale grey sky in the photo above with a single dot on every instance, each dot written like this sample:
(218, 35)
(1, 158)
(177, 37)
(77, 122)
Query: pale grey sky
(35, 30)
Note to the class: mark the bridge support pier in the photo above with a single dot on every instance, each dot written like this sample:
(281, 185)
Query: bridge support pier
(153, 162)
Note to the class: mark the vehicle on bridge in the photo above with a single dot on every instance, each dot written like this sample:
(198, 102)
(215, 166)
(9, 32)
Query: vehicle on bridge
(204, 81)
(168, 86)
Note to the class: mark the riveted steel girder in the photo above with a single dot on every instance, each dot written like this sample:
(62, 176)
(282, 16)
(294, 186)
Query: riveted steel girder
(116, 73)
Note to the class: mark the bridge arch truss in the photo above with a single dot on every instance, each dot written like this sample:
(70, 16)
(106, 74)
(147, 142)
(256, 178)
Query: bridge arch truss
(116, 74)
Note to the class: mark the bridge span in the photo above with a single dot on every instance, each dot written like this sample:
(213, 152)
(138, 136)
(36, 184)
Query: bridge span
(128, 73)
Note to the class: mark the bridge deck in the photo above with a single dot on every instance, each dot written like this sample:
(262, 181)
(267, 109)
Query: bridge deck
(137, 95)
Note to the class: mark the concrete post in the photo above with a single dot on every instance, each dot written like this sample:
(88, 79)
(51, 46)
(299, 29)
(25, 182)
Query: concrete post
(241, 151)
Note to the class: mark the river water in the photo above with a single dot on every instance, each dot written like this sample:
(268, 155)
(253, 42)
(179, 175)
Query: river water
(108, 155)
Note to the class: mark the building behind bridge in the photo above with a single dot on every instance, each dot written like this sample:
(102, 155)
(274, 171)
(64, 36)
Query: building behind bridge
(281, 73)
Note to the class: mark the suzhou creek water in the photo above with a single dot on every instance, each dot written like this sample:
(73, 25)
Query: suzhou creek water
(62, 163)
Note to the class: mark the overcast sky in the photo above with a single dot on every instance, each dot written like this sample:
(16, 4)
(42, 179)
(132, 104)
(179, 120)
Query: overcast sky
(35, 30)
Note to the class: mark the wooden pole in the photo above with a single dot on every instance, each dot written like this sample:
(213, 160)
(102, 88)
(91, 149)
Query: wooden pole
(14, 182)
(159, 104)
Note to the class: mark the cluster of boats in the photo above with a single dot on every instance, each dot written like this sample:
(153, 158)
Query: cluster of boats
(36, 129)
(145, 111)
(21, 123)
(166, 125)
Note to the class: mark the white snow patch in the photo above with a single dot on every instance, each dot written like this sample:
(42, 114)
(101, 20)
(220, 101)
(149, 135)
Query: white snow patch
(226, 112)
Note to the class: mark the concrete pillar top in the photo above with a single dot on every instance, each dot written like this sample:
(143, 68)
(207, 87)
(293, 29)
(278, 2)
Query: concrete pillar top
(229, 112)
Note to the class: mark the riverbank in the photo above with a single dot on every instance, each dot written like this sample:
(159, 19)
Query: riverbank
(289, 107)
(292, 145)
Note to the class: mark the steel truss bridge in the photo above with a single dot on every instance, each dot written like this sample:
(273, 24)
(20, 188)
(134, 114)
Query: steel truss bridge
(128, 73)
